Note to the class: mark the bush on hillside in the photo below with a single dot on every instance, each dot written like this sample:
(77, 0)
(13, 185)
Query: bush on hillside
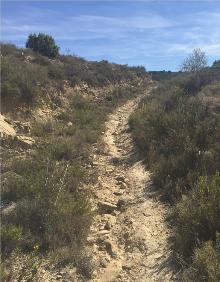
(43, 44)
(11, 236)
(206, 265)
(197, 216)
(173, 130)
(195, 62)
(216, 64)
(9, 50)
(51, 212)
(21, 82)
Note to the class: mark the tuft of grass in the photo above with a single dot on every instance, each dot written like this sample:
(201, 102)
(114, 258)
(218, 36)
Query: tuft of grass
(11, 236)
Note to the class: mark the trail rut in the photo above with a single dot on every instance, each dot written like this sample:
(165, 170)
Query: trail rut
(129, 236)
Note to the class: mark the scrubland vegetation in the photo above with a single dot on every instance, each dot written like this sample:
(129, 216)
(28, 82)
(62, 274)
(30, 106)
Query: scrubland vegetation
(177, 129)
(52, 212)
(25, 74)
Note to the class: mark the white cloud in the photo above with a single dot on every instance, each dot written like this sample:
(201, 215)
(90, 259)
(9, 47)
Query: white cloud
(87, 26)
(123, 38)
(149, 21)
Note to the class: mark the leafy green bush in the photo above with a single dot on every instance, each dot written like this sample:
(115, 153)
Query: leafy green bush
(43, 44)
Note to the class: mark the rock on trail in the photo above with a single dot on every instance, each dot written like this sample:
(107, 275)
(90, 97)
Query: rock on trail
(130, 233)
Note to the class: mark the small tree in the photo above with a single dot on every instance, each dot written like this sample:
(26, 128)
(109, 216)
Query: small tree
(43, 44)
(216, 64)
(195, 61)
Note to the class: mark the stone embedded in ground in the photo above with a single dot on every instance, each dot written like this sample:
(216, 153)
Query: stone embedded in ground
(115, 160)
(110, 248)
(118, 193)
(94, 274)
(69, 123)
(90, 240)
(109, 170)
(103, 232)
(108, 225)
(106, 207)
(6, 129)
(127, 266)
(120, 178)
(122, 185)
(104, 262)
(25, 140)
(121, 204)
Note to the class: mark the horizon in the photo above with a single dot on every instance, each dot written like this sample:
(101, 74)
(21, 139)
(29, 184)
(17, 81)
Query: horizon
(155, 34)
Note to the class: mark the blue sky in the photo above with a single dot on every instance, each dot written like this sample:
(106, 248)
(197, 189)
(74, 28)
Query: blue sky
(157, 34)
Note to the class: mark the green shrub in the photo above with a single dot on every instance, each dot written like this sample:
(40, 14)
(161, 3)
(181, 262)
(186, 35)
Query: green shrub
(43, 44)
(206, 265)
(53, 213)
(25, 73)
(21, 82)
(177, 130)
(13, 187)
(56, 71)
(3, 272)
(63, 149)
(43, 128)
(11, 91)
(178, 134)
(197, 217)
(9, 50)
(11, 236)
(207, 261)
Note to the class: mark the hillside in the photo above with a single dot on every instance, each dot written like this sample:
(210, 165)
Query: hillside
(177, 129)
(106, 174)
(53, 116)
(26, 75)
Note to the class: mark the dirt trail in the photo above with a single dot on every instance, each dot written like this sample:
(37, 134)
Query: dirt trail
(129, 237)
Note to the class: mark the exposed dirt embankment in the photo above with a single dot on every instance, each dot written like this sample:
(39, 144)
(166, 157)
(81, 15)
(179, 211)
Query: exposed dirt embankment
(129, 237)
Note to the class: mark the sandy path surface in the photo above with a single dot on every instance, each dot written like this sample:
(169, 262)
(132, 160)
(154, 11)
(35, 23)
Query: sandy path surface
(129, 237)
